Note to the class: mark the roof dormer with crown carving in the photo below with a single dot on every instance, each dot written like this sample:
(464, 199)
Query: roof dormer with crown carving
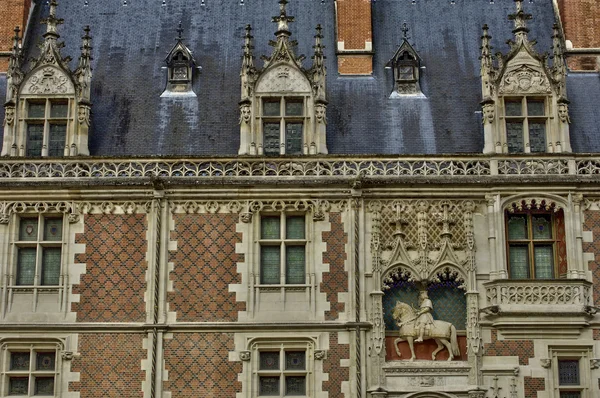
(525, 108)
(49, 105)
(283, 105)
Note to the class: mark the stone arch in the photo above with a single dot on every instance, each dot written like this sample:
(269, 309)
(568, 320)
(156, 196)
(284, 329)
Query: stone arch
(430, 395)
(398, 284)
(283, 78)
(536, 199)
(48, 79)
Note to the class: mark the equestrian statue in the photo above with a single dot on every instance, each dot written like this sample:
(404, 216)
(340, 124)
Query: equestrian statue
(416, 326)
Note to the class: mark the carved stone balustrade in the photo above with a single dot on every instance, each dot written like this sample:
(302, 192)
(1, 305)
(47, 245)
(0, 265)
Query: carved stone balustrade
(546, 307)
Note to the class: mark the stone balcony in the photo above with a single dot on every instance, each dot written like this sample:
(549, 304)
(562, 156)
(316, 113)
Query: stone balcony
(557, 307)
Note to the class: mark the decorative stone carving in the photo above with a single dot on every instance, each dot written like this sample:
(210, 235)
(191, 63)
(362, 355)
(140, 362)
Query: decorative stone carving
(563, 113)
(321, 113)
(67, 355)
(538, 292)
(489, 112)
(525, 80)
(246, 217)
(283, 79)
(320, 355)
(245, 356)
(545, 363)
(595, 363)
(49, 80)
(9, 115)
(245, 113)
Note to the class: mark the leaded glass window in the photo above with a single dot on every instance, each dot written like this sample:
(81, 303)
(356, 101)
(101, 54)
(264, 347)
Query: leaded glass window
(282, 373)
(46, 130)
(30, 372)
(39, 251)
(532, 244)
(526, 120)
(569, 378)
(283, 126)
(282, 249)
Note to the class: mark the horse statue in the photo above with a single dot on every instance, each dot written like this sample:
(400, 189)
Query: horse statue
(444, 333)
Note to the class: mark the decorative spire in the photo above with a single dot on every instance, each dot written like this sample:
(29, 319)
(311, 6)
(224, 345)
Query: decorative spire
(486, 51)
(405, 30)
(179, 32)
(248, 57)
(520, 18)
(14, 62)
(318, 68)
(83, 73)
(282, 21)
(52, 23)
(318, 57)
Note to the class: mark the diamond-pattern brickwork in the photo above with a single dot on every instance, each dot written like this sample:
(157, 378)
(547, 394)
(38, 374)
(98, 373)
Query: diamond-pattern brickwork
(199, 366)
(331, 366)
(109, 365)
(113, 287)
(592, 223)
(533, 385)
(503, 348)
(336, 280)
(596, 334)
(205, 264)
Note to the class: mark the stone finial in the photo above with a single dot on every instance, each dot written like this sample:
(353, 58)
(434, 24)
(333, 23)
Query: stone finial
(520, 19)
(283, 20)
(486, 51)
(52, 22)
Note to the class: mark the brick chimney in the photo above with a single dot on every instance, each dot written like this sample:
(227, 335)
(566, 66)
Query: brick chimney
(581, 24)
(354, 37)
(12, 13)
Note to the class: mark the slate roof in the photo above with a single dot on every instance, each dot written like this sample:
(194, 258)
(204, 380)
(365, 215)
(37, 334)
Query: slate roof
(131, 42)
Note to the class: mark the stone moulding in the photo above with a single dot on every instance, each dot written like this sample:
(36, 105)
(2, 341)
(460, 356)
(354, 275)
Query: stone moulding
(324, 167)
(538, 292)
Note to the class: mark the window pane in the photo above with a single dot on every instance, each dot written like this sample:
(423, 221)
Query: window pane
(270, 228)
(517, 227)
(294, 227)
(28, 229)
(268, 386)
(59, 110)
(44, 386)
(19, 361)
(568, 372)
(45, 361)
(37, 111)
(51, 266)
(519, 262)
(542, 226)
(180, 73)
(293, 138)
(535, 107)
(544, 262)
(271, 139)
(294, 108)
(53, 229)
(35, 137)
(270, 263)
(26, 266)
(537, 136)
(295, 360)
(295, 385)
(269, 360)
(405, 73)
(271, 108)
(570, 394)
(294, 268)
(18, 385)
(514, 137)
(58, 133)
(513, 108)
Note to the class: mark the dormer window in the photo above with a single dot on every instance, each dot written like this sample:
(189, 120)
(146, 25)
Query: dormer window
(180, 70)
(180, 65)
(46, 127)
(283, 125)
(525, 121)
(405, 66)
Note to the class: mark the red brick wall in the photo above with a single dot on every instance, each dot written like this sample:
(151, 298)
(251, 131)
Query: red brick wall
(533, 385)
(109, 365)
(581, 21)
(504, 348)
(12, 13)
(336, 280)
(205, 266)
(198, 366)
(331, 366)
(596, 334)
(113, 287)
(354, 29)
(592, 223)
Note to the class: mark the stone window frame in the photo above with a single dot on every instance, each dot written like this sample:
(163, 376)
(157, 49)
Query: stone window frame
(47, 121)
(33, 347)
(289, 344)
(306, 242)
(525, 118)
(584, 356)
(283, 119)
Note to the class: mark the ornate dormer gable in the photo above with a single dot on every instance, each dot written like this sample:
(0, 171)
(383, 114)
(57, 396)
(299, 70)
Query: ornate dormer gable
(283, 106)
(405, 65)
(525, 109)
(180, 69)
(50, 104)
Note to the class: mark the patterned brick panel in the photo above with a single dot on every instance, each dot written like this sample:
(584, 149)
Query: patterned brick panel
(205, 266)
(336, 280)
(355, 65)
(533, 385)
(355, 30)
(596, 334)
(592, 223)
(581, 19)
(113, 287)
(331, 366)
(109, 365)
(503, 348)
(198, 365)
(12, 13)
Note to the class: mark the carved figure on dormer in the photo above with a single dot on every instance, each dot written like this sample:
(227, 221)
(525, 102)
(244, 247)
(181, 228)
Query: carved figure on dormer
(525, 80)
(9, 115)
(563, 112)
(245, 113)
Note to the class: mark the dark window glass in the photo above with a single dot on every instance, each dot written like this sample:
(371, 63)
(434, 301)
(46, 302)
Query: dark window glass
(28, 229)
(180, 73)
(537, 136)
(268, 386)
(295, 264)
(271, 108)
(544, 261)
(37, 110)
(51, 265)
(35, 138)
(535, 107)
(295, 360)
(44, 386)
(570, 394)
(269, 360)
(59, 110)
(53, 229)
(517, 227)
(295, 227)
(295, 385)
(541, 226)
(270, 264)
(514, 137)
(26, 266)
(568, 372)
(58, 133)
(270, 228)
(293, 138)
(46, 361)
(519, 262)
(19, 361)
(513, 108)
(406, 73)
(294, 108)
(18, 386)
(271, 139)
